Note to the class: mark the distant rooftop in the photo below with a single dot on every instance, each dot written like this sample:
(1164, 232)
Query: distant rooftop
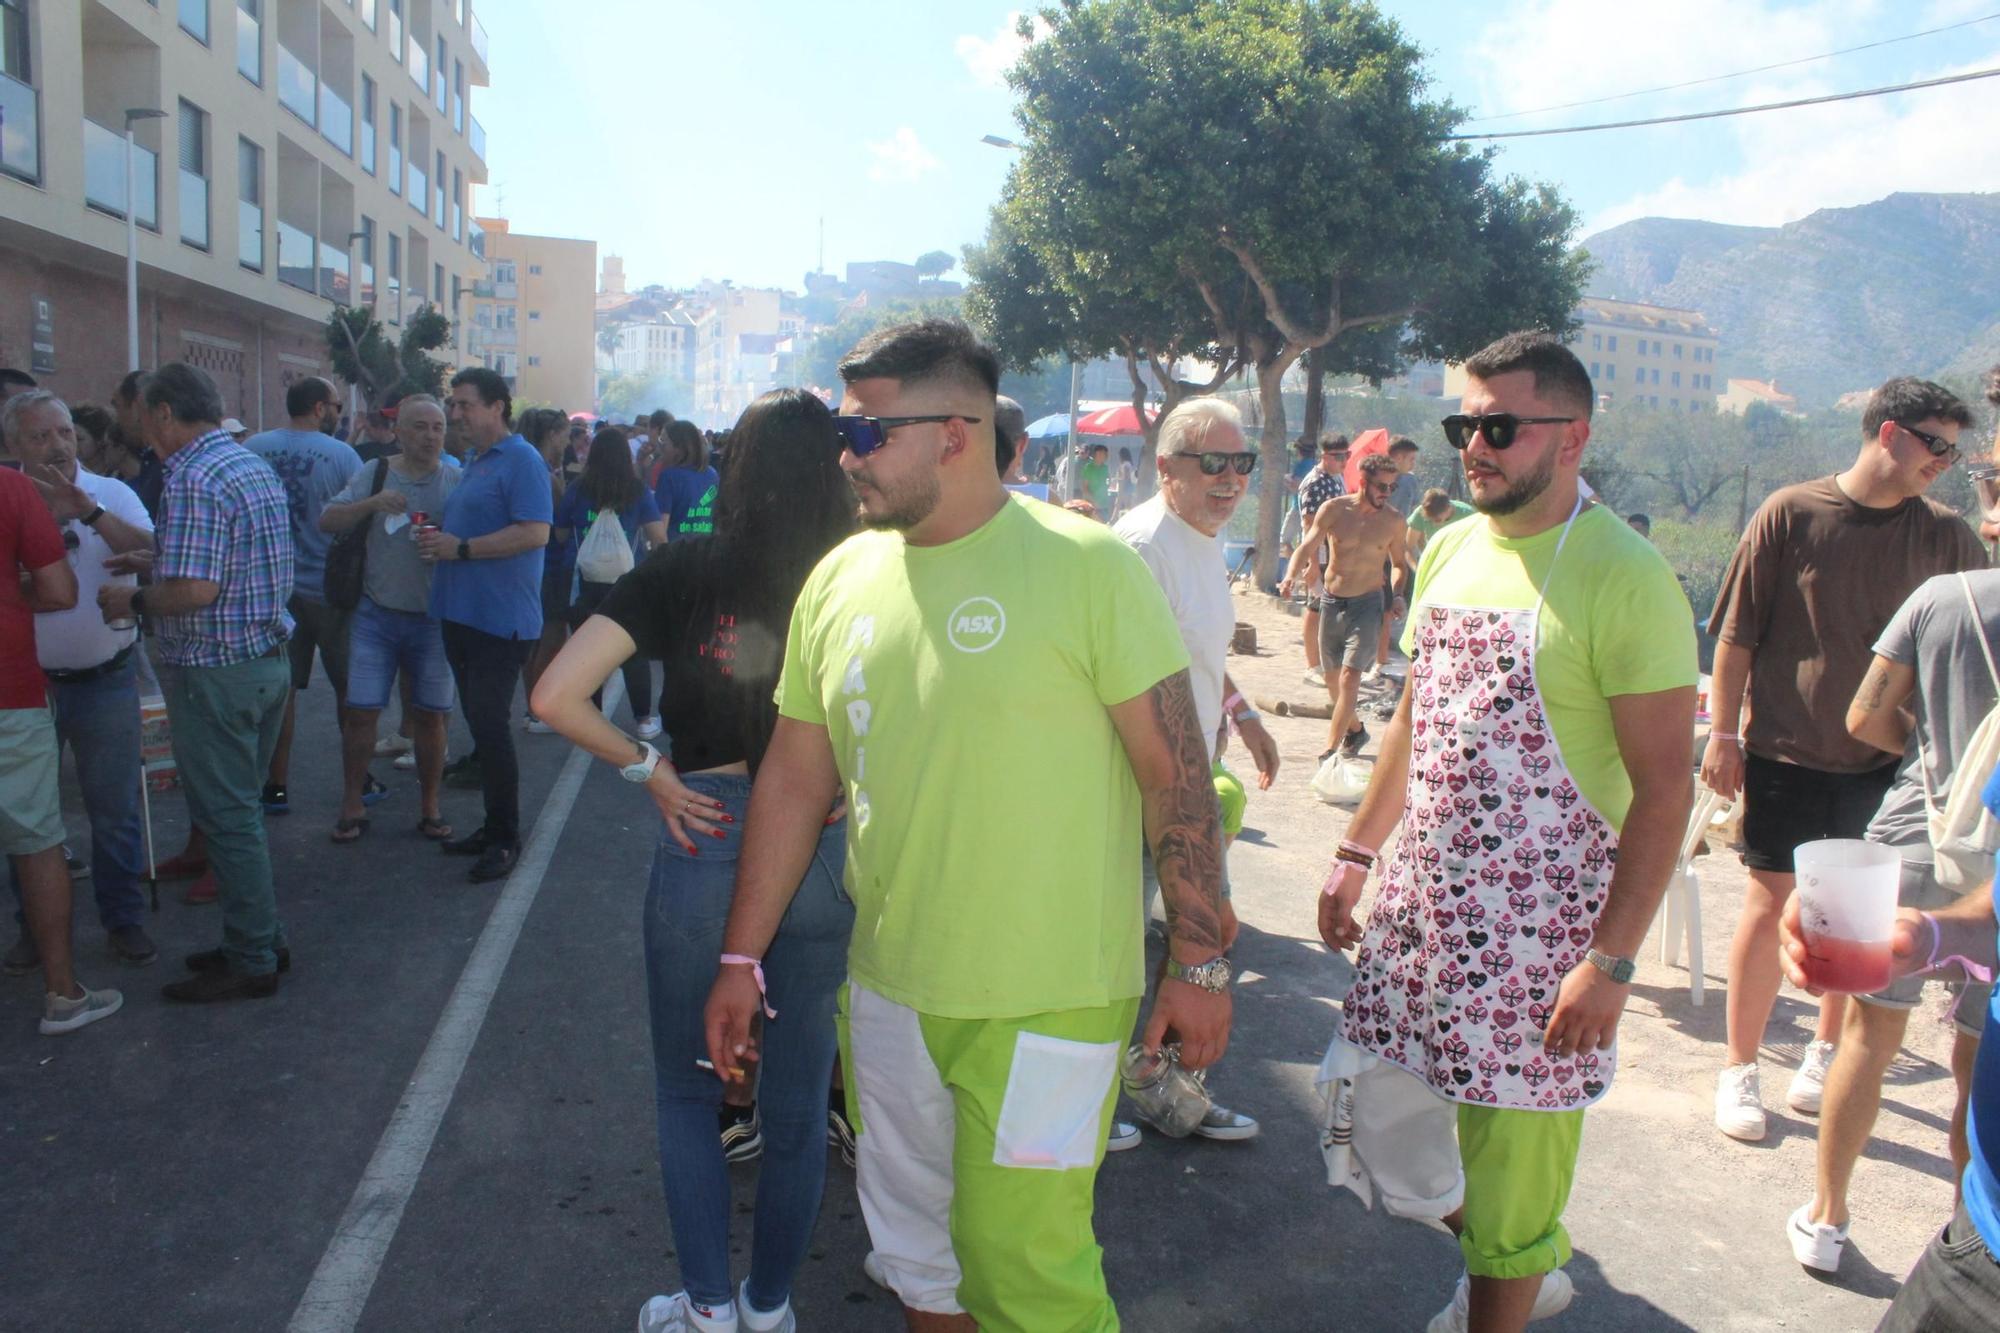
(1639, 315)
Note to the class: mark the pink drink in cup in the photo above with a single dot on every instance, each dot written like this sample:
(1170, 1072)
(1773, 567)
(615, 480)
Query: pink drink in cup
(1847, 911)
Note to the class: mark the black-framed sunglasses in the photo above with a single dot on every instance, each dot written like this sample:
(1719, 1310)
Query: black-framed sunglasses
(1215, 464)
(1939, 446)
(1499, 428)
(864, 435)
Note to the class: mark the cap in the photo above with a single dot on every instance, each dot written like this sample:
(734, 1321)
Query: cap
(232, 426)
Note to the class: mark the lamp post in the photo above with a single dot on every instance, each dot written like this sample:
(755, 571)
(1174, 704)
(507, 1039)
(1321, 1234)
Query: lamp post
(1075, 367)
(133, 115)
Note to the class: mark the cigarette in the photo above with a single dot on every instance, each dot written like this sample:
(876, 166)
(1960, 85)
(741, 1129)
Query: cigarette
(709, 1065)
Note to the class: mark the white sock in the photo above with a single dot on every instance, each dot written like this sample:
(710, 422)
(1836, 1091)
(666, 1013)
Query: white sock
(719, 1317)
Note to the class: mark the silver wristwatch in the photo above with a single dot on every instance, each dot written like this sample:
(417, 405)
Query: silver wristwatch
(1620, 970)
(1212, 976)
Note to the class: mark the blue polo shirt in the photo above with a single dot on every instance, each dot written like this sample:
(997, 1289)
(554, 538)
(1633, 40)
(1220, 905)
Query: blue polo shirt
(508, 483)
(1981, 1187)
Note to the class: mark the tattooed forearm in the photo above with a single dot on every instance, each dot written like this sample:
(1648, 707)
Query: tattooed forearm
(1184, 824)
(1873, 687)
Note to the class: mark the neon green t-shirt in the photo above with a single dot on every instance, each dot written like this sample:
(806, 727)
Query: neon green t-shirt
(993, 821)
(1615, 623)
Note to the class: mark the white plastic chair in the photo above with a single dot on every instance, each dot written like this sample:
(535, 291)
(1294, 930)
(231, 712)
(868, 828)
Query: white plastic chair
(1680, 911)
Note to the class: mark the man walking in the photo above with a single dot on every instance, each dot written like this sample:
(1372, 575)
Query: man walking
(392, 629)
(487, 592)
(1326, 480)
(994, 979)
(218, 604)
(314, 467)
(1814, 581)
(1539, 768)
(92, 674)
(1928, 689)
(1362, 532)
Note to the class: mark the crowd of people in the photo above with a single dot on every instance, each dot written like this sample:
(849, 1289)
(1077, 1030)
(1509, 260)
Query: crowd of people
(841, 607)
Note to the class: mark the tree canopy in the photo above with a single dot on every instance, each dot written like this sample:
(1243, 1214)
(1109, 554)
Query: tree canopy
(384, 370)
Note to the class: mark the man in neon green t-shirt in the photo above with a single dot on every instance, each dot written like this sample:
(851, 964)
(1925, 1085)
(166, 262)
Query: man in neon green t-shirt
(994, 978)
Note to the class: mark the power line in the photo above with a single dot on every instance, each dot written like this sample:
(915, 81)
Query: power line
(1736, 111)
(1739, 74)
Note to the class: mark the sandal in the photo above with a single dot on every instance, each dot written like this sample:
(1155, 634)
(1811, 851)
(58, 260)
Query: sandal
(434, 829)
(350, 830)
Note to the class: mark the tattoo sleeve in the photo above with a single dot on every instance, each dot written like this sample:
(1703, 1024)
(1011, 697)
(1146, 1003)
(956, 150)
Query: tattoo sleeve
(1873, 687)
(1184, 822)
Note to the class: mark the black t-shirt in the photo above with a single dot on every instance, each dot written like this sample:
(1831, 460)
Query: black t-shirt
(719, 668)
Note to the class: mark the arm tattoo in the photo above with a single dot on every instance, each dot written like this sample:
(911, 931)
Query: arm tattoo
(1184, 822)
(1873, 687)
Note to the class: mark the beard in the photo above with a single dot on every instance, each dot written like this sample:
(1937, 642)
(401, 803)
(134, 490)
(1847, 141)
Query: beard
(1521, 492)
(902, 507)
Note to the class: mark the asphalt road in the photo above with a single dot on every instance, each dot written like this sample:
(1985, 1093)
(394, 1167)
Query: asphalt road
(175, 1168)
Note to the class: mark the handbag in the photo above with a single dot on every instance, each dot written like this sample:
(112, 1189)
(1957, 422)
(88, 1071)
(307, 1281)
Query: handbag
(347, 557)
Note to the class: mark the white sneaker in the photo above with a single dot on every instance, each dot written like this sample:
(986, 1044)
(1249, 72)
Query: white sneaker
(678, 1314)
(407, 763)
(780, 1320)
(60, 1015)
(872, 1269)
(1809, 1084)
(1739, 1105)
(1373, 676)
(392, 745)
(1315, 676)
(1554, 1297)
(1227, 1126)
(649, 727)
(1124, 1135)
(1815, 1244)
(536, 727)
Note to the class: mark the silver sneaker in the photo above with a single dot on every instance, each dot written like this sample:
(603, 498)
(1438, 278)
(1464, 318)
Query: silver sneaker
(1227, 1126)
(60, 1015)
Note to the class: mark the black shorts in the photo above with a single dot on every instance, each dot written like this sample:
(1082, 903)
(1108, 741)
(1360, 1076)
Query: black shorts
(315, 625)
(1787, 804)
(555, 596)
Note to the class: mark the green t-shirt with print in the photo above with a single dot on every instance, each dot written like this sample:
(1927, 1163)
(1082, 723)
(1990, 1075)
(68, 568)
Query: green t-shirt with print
(1615, 623)
(993, 820)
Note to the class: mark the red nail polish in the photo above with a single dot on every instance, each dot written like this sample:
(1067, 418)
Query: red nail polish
(717, 833)
(729, 819)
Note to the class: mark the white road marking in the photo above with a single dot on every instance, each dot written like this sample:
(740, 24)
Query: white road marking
(339, 1289)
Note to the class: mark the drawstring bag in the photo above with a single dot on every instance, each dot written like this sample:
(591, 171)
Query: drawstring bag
(606, 553)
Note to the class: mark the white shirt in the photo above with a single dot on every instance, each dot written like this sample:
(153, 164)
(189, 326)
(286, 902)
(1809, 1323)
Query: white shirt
(78, 638)
(1194, 574)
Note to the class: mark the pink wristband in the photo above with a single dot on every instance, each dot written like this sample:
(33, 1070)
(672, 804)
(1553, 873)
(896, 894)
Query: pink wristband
(1338, 872)
(756, 966)
(1977, 972)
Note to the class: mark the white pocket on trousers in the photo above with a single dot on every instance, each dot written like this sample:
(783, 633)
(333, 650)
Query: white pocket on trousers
(1052, 1116)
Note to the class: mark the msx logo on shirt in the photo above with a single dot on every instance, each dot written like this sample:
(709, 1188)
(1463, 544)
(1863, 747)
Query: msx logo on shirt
(976, 624)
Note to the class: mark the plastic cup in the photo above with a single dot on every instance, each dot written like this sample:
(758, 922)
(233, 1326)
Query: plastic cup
(1847, 910)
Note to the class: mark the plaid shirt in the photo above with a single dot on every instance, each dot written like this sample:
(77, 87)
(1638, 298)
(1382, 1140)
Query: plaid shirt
(1316, 489)
(223, 518)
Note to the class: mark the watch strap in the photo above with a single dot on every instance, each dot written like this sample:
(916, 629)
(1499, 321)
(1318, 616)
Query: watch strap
(1620, 970)
(90, 520)
(465, 548)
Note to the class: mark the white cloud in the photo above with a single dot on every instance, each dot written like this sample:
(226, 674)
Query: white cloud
(901, 158)
(989, 58)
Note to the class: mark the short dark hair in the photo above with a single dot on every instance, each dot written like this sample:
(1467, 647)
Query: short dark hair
(1558, 374)
(93, 420)
(1435, 501)
(132, 388)
(491, 386)
(1640, 521)
(660, 419)
(1402, 444)
(187, 391)
(1375, 463)
(928, 350)
(1330, 444)
(690, 446)
(307, 394)
(18, 379)
(1104, 449)
(1907, 400)
(1010, 432)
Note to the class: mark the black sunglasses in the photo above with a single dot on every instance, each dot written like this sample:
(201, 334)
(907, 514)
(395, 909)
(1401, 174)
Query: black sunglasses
(1499, 428)
(864, 435)
(1937, 444)
(1214, 465)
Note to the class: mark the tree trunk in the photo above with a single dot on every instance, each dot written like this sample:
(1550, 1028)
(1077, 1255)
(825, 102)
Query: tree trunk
(1314, 421)
(1275, 455)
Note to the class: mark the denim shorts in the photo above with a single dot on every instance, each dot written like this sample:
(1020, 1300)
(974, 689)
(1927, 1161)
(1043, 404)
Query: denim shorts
(381, 641)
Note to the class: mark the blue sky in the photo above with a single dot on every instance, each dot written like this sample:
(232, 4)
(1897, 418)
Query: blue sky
(709, 139)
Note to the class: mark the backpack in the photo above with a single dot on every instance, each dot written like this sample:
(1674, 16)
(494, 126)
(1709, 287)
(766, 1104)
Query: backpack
(606, 553)
(347, 557)
(1964, 835)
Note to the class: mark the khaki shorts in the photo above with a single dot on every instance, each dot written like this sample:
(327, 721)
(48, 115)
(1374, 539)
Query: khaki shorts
(30, 802)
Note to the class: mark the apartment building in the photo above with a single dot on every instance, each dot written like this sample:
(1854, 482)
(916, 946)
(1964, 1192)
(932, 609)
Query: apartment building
(736, 333)
(533, 315)
(290, 155)
(1639, 355)
(662, 348)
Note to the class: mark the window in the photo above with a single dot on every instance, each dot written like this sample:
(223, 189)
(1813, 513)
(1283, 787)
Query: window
(457, 205)
(1677, 351)
(437, 283)
(437, 207)
(1674, 404)
(250, 40)
(367, 124)
(534, 270)
(194, 19)
(364, 263)
(1611, 343)
(14, 39)
(1611, 371)
(1596, 342)
(1594, 371)
(1656, 375)
(534, 314)
(534, 360)
(458, 96)
(1676, 377)
(394, 272)
(396, 31)
(249, 205)
(194, 175)
(368, 13)
(438, 80)
(395, 148)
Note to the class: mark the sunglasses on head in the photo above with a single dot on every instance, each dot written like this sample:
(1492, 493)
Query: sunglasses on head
(1214, 465)
(1499, 428)
(864, 435)
(1939, 446)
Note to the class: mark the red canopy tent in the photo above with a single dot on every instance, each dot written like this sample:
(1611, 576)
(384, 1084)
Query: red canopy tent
(1111, 421)
(1368, 442)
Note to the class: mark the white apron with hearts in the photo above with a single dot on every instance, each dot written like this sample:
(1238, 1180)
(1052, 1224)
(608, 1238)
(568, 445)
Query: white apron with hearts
(1493, 890)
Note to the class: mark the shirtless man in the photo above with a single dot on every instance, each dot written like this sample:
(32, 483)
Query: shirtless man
(1362, 531)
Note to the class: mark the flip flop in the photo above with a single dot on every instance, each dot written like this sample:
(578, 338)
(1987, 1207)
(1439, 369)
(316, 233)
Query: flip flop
(434, 829)
(350, 830)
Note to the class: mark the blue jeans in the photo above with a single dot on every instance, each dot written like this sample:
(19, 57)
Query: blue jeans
(99, 721)
(687, 905)
(381, 642)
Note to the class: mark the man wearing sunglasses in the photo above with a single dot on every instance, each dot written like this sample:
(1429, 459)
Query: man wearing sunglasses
(996, 964)
(1538, 769)
(1815, 581)
(1362, 532)
(1326, 481)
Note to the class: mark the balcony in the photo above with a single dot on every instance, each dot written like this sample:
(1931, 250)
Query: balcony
(333, 274)
(336, 119)
(20, 129)
(250, 235)
(418, 63)
(478, 31)
(194, 209)
(296, 264)
(104, 175)
(297, 87)
(476, 137)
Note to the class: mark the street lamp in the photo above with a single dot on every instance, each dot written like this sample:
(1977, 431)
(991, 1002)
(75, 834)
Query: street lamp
(1075, 367)
(132, 116)
(998, 142)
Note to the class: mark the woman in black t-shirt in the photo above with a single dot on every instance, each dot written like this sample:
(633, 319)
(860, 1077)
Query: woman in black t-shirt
(714, 610)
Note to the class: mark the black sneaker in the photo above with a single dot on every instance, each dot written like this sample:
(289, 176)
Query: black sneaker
(474, 843)
(839, 1134)
(464, 774)
(1351, 743)
(742, 1132)
(214, 960)
(77, 869)
(372, 790)
(217, 987)
(133, 946)
(275, 800)
(496, 862)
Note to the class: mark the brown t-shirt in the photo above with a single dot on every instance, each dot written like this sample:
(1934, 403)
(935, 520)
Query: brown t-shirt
(1810, 589)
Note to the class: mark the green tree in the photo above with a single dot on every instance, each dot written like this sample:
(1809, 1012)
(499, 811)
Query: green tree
(934, 264)
(1281, 158)
(362, 353)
